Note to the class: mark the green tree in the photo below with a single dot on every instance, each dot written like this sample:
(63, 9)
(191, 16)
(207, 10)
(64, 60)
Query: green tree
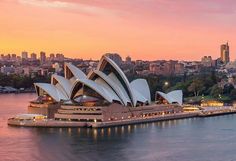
(228, 88)
(216, 91)
(196, 87)
(233, 95)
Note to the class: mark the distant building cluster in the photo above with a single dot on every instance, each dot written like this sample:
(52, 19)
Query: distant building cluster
(25, 56)
(30, 64)
(166, 67)
(43, 64)
(224, 58)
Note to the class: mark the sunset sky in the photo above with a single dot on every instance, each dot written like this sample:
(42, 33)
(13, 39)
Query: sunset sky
(142, 29)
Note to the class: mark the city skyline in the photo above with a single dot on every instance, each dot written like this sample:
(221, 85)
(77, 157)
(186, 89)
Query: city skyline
(87, 29)
(27, 55)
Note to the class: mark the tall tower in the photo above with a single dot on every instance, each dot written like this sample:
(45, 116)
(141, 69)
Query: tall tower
(224, 53)
(24, 55)
(33, 56)
(42, 57)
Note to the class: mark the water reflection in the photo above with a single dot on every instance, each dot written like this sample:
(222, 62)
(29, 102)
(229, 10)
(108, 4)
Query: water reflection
(111, 132)
(173, 140)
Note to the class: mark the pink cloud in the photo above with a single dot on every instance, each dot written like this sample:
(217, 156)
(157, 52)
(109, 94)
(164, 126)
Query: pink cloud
(70, 6)
(201, 6)
(147, 9)
(160, 28)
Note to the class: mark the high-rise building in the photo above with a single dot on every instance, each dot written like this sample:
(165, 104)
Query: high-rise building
(13, 56)
(33, 56)
(8, 56)
(207, 61)
(128, 59)
(224, 53)
(24, 55)
(59, 57)
(52, 56)
(42, 57)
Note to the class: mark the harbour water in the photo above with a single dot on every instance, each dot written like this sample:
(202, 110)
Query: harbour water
(193, 139)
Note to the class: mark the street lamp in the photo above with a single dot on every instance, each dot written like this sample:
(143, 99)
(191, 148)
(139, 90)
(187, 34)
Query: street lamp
(165, 86)
(166, 83)
(220, 96)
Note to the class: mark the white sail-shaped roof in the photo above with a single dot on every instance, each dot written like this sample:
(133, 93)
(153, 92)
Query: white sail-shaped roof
(119, 75)
(109, 90)
(139, 97)
(112, 82)
(62, 83)
(108, 81)
(51, 90)
(102, 91)
(119, 86)
(76, 72)
(173, 96)
(141, 90)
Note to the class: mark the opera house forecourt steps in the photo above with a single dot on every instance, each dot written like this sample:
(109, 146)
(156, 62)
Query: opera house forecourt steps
(104, 97)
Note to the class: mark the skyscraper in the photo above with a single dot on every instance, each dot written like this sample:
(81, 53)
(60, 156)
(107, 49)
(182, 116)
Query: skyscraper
(207, 61)
(33, 56)
(13, 56)
(24, 55)
(59, 57)
(52, 56)
(224, 53)
(42, 57)
(128, 59)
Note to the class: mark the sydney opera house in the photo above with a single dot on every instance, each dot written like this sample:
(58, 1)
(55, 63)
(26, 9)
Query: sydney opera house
(173, 97)
(104, 94)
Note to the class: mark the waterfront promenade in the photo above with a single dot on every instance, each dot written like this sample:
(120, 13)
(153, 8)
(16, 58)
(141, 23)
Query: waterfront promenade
(214, 111)
(206, 112)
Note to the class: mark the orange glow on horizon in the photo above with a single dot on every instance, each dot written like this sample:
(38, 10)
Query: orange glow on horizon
(160, 29)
